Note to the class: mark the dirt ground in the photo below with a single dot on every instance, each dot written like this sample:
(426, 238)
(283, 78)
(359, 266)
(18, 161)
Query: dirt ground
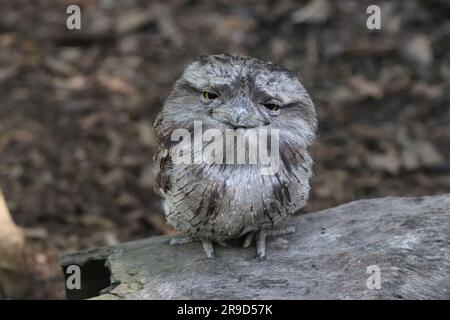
(76, 107)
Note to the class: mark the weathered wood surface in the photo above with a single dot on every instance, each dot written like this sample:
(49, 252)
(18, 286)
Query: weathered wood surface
(327, 258)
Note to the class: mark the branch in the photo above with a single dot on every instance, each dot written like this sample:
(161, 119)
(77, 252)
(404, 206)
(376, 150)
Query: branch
(13, 269)
(403, 242)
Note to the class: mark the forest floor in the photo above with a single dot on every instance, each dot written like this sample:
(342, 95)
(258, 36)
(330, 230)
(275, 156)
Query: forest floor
(76, 107)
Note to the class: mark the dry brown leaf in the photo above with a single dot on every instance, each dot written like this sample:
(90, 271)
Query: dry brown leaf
(316, 11)
(116, 144)
(234, 28)
(428, 90)
(331, 184)
(417, 153)
(132, 20)
(35, 233)
(93, 220)
(117, 85)
(366, 88)
(388, 162)
(419, 50)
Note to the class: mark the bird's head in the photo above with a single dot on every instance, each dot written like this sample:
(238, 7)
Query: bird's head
(230, 92)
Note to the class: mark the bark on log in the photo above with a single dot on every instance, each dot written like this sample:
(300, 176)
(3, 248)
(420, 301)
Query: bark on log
(406, 239)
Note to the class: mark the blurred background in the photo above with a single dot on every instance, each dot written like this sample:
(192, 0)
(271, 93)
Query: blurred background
(77, 107)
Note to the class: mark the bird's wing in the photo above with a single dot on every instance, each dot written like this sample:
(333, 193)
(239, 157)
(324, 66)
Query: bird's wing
(162, 162)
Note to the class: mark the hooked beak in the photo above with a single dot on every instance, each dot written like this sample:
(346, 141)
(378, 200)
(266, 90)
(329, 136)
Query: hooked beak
(240, 114)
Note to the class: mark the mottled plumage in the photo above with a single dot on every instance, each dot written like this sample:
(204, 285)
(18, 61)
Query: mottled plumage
(215, 201)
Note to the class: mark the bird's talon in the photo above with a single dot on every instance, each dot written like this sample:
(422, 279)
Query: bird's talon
(221, 243)
(248, 239)
(209, 248)
(261, 244)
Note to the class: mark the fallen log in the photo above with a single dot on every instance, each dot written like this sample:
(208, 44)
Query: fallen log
(387, 248)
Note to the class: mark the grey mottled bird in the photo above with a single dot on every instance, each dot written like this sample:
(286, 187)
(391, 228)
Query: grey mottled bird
(216, 201)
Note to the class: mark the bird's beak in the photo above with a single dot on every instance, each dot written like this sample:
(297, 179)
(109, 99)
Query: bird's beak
(240, 113)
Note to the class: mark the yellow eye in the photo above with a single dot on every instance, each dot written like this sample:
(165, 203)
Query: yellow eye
(272, 106)
(210, 95)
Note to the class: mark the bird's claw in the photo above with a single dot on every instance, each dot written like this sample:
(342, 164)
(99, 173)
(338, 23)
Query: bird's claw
(261, 244)
(209, 248)
(261, 236)
(248, 239)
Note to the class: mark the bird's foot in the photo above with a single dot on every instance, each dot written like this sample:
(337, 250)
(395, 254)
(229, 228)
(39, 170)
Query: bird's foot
(248, 239)
(209, 248)
(207, 244)
(261, 238)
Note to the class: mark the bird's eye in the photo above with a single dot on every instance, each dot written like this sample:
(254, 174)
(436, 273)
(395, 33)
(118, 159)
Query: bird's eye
(272, 106)
(210, 95)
